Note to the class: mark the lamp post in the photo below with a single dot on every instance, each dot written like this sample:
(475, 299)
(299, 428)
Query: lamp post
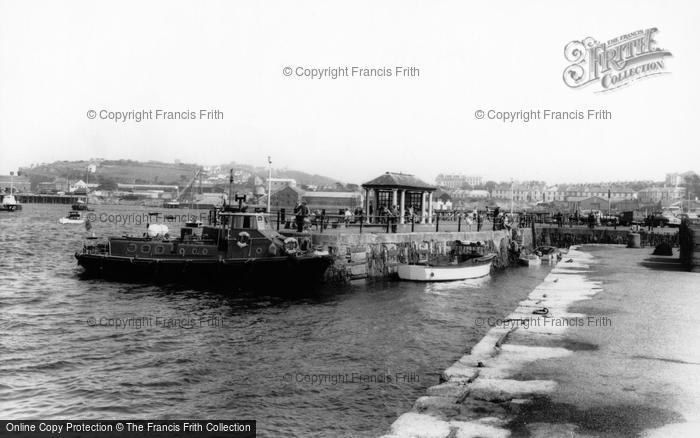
(511, 197)
(269, 183)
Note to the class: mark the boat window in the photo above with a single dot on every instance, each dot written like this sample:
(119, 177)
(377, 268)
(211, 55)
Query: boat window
(146, 249)
(241, 222)
(159, 249)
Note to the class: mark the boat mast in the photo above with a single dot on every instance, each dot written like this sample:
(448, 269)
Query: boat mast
(87, 180)
(269, 183)
(230, 187)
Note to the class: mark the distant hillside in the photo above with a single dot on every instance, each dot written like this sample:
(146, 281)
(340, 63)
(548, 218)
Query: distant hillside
(110, 172)
(113, 171)
(299, 176)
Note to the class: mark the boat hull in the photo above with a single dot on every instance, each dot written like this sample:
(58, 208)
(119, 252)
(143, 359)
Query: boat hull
(287, 271)
(66, 221)
(444, 273)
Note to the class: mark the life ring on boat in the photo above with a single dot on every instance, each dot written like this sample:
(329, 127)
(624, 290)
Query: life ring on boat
(291, 245)
(243, 239)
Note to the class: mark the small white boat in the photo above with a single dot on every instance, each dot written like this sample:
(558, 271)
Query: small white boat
(530, 260)
(471, 268)
(72, 218)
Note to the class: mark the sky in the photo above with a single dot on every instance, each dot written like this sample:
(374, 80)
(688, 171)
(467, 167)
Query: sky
(61, 59)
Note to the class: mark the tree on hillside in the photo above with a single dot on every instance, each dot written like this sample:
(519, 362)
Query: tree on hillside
(106, 183)
(692, 185)
(490, 186)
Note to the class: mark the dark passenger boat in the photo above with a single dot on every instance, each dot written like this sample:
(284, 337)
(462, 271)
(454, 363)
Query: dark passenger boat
(237, 248)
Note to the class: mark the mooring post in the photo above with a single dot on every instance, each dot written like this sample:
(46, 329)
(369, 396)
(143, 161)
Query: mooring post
(459, 223)
(437, 222)
(413, 223)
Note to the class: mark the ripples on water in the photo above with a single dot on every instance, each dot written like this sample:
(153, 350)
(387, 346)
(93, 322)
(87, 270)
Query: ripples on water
(249, 361)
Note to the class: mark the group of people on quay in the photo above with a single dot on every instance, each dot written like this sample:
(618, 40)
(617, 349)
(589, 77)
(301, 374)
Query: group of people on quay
(476, 220)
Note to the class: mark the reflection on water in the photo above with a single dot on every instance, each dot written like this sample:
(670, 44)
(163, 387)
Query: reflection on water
(92, 349)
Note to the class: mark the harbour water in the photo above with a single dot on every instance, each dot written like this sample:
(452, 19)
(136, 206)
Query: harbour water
(341, 361)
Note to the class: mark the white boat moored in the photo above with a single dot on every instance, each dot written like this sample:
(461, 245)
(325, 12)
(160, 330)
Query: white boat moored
(472, 268)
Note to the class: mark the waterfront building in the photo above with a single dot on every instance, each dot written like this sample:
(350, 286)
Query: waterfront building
(525, 192)
(659, 194)
(593, 203)
(674, 179)
(287, 197)
(457, 181)
(280, 183)
(465, 195)
(21, 184)
(400, 189)
(52, 187)
(81, 187)
(173, 190)
(588, 190)
(332, 202)
(554, 194)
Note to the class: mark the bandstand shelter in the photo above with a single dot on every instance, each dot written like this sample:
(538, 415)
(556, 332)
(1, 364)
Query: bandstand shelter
(402, 190)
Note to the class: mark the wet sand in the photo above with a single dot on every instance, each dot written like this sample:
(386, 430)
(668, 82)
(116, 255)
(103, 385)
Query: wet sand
(617, 354)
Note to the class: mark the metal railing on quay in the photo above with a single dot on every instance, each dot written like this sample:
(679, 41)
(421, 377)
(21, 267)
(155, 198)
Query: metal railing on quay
(389, 223)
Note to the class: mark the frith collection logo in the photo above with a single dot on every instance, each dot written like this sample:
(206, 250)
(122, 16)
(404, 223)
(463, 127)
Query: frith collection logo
(615, 63)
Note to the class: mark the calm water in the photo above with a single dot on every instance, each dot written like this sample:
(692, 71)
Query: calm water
(209, 354)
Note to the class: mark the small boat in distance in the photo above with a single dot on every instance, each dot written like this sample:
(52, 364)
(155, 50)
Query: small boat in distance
(472, 267)
(80, 206)
(9, 203)
(72, 218)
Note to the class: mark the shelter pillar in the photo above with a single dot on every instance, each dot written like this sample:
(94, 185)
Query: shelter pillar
(430, 207)
(366, 205)
(422, 207)
(403, 206)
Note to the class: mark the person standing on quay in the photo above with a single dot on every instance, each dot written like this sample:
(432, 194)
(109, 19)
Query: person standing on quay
(479, 220)
(301, 211)
(394, 218)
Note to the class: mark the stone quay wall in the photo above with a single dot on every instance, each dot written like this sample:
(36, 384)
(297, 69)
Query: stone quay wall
(563, 237)
(376, 256)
